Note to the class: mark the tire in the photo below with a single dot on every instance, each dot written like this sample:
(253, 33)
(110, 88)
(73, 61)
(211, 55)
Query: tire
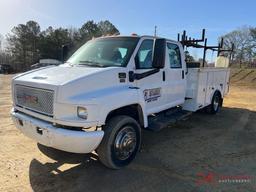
(121, 142)
(216, 103)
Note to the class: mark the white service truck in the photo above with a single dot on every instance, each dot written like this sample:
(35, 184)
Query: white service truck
(109, 89)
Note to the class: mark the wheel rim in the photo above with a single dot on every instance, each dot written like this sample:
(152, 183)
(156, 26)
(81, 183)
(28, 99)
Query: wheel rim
(216, 103)
(125, 143)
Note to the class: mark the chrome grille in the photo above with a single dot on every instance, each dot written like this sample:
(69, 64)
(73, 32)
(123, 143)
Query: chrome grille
(35, 99)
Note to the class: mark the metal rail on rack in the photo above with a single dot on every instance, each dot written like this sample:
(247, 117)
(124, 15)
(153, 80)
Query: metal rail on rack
(192, 42)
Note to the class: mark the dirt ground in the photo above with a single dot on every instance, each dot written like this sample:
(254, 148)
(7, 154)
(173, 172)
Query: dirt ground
(170, 160)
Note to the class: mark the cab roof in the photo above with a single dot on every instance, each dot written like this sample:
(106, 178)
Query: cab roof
(135, 36)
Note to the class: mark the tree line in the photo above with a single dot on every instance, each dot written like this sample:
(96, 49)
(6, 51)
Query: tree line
(27, 43)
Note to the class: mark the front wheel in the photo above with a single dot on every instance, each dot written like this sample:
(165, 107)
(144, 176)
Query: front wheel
(121, 142)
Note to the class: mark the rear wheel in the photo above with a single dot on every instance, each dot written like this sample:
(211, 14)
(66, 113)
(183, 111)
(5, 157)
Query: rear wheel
(121, 142)
(216, 103)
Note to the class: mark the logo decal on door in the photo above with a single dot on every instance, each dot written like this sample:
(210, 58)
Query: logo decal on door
(152, 94)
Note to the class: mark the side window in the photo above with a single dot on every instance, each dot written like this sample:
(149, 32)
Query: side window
(143, 58)
(174, 55)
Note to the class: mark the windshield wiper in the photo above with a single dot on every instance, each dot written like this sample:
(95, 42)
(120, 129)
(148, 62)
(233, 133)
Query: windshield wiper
(91, 63)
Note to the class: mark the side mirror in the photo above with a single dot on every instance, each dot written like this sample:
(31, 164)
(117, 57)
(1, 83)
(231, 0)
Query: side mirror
(159, 53)
(137, 62)
(64, 52)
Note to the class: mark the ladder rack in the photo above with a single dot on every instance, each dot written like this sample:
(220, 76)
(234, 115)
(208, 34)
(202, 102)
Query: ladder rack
(192, 42)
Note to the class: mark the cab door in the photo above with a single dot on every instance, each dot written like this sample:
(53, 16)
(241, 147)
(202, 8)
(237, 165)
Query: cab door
(175, 74)
(151, 87)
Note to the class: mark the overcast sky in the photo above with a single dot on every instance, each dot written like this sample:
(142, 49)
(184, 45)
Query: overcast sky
(172, 16)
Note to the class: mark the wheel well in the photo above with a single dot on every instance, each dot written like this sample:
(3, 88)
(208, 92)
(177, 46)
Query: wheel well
(219, 93)
(134, 111)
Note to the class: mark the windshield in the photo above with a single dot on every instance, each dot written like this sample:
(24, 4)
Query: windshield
(105, 52)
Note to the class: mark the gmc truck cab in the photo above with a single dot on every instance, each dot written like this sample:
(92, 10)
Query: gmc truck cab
(109, 89)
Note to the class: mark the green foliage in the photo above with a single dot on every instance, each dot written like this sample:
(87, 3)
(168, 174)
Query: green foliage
(51, 42)
(91, 30)
(22, 43)
(27, 43)
(107, 28)
(188, 57)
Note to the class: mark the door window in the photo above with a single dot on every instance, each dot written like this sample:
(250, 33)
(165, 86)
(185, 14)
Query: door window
(143, 58)
(174, 55)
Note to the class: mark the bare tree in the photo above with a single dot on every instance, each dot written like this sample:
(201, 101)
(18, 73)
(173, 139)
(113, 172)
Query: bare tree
(1, 48)
(1, 42)
(243, 45)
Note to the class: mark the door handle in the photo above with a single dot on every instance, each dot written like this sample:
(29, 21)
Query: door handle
(182, 74)
(163, 75)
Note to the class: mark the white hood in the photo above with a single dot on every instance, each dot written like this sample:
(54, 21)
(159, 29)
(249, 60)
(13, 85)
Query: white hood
(57, 75)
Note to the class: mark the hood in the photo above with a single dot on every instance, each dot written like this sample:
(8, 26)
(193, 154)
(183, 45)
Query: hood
(58, 75)
(75, 84)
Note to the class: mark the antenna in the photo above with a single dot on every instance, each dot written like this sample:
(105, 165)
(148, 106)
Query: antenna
(155, 31)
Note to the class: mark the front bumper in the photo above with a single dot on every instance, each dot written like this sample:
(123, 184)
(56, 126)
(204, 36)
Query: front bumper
(46, 134)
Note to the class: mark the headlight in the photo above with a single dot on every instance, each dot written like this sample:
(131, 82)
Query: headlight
(82, 112)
